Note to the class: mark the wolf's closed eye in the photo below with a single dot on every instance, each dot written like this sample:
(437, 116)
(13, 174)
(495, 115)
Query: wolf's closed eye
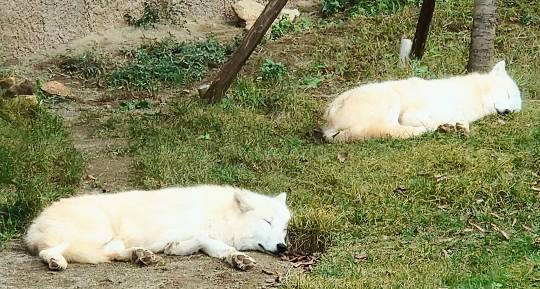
(269, 223)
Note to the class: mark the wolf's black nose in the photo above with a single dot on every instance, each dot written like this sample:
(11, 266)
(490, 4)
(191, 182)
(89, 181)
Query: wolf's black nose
(281, 248)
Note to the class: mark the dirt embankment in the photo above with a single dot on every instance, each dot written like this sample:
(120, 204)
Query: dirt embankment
(31, 26)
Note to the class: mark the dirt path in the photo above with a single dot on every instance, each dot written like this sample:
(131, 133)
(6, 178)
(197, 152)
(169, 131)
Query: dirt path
(18, 269)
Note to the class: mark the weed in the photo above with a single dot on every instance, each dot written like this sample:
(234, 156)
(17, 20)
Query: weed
(282, 27)
(39, 164)
(272, 71)
(150, 16)
(285, 26)
(310, 82)
(167, 62)
(130, 105)
(366, 7)
(88, 65)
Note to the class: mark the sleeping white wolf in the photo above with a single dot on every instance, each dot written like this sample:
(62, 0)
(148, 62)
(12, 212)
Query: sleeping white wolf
(411, 107)
(219, 220)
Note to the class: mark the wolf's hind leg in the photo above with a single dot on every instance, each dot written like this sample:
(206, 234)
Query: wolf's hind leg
(403, 131)
(53, 257)
(117, 251)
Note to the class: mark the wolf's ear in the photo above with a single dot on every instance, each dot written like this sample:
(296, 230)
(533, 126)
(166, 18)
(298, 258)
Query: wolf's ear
(499, 68)
(282, 197)
(241, 200)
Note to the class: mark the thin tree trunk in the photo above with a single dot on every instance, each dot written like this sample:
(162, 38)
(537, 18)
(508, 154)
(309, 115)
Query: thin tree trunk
(422, 28)
(228, 72)
(482, 35)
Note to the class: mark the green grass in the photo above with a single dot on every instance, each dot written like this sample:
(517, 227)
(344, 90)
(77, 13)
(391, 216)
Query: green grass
(407, 204)
(167, 63)
(366, 7)
(152, 65)
(39, 164)
(418, 236)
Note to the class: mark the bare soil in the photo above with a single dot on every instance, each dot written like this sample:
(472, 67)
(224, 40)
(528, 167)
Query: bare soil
(18, 269)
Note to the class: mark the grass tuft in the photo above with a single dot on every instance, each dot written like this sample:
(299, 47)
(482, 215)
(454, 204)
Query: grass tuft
(39, 164)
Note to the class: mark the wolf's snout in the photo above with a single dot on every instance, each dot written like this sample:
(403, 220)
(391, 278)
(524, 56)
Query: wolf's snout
(281, 248)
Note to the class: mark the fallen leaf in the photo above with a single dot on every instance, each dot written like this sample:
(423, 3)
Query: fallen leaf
(477, 227)
(467, 230)
(529, 229)
(444, 240)
(305, 262)
(503, 233)
(441, 177)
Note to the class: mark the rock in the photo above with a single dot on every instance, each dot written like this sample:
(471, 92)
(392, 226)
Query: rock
(249, 11)
(405, 50)
(7, 82)
(203, 89)
(55, 88)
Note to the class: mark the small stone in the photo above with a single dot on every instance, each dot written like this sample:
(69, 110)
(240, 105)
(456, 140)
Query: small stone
(250, 10)
(55, 88)
(203, 89)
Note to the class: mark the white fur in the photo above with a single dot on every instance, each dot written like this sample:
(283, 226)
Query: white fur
(411, 107)
(219, 220)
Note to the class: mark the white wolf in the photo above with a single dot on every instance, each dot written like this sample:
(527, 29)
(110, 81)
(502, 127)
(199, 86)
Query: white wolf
(411, 107)
(219, 220)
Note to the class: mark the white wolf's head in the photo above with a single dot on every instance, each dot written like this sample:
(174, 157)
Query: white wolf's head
(262, 224)
(506, 96)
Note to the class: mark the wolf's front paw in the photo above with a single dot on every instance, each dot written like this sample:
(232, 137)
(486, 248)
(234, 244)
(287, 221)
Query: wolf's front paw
(144, 257)
(462, 127)
(241, 261)
(446, 128)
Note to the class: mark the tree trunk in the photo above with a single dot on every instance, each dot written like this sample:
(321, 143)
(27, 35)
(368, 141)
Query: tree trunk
(228, 71)
(422, 28)
(482, 35)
